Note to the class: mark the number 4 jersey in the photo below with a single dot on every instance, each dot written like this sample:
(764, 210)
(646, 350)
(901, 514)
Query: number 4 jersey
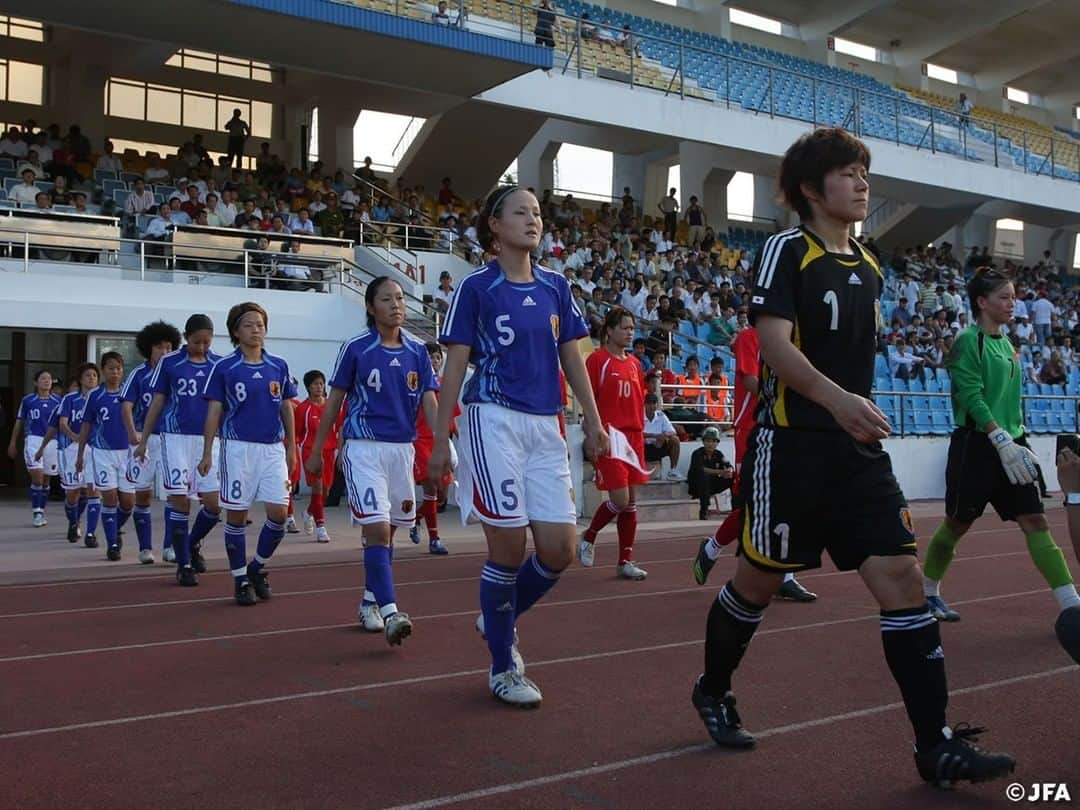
(832, 300)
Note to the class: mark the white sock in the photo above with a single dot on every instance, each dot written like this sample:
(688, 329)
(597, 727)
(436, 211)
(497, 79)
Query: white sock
(1066, 596)
(712, 549)
(789, 577)
(931, 587)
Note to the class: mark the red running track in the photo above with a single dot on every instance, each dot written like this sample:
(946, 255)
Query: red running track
(138, 693)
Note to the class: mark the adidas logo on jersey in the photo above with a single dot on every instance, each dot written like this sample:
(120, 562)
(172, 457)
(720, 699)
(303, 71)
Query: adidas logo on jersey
(937, 655)
(528, 302)
(394, 362)
(200, 373)
(256, 376)
(854, 279)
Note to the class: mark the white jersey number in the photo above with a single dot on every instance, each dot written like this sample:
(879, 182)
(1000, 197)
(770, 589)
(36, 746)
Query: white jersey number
(374, 380)
(506, 332)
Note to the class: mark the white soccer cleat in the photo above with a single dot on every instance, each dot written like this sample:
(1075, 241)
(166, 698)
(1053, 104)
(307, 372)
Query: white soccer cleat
(321, 535)
(309, 522)
(290, 525)
(674, 476)
(629, 570)
(168, 555)
(398, 628)
(515, 653)
(146, 557)
(586, 553)
(39, 520)
(369, 617)
(514, 689)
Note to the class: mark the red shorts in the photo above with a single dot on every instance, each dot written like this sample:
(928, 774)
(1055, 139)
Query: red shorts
(612, 474)
(423, 450)
(742, 439)
(327, 475)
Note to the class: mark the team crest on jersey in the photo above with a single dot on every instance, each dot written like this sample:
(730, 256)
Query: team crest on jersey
(412, 379)
(275, 388)
(555, 326)
(407, 506)
(905, 518)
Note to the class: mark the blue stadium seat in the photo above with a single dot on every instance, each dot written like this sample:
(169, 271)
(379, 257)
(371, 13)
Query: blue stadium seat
(112, 186)
(940, 404)
(7, 163)
(923, 423)
(915, 384)
(101, 175)
(1037, 422)
(130, 177)
(1068, 420)
(940, 423)
(944, 381)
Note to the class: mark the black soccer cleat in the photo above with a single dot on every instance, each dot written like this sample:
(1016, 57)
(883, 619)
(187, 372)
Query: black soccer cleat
(702, 564)
(73, 533)
(245, 593)
(261, 583)
(90, 541)
(1067, 628)
(112, 553)
(957, 759)
(198, 561)
(721, 719)
(186, 577)
(793, 591)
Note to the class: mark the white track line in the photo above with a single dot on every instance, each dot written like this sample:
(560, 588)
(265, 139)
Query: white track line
(367, 687)
(674, 753)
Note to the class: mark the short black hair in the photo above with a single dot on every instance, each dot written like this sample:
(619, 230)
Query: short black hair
(434, 347)
(814, 155)
(85, 367)
(154, 333)
(237, 312)
(197, 323)
(105, 358)
(312, 376)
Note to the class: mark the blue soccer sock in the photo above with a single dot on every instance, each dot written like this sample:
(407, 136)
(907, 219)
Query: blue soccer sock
(390, 549)
(122, 516)
(236, 548)
(38, 497)
(498, 595)
(93, 514)
(108, 524)
(144, 529)
(71, 510)
(269, 538)
(83, 501)
(177, 532)
(533, 581)
(166, 544)
(380, 578)
(33, 496)
(204, 522)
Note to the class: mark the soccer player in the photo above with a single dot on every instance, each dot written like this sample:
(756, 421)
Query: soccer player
(517, 323)
(618, 386)
(79, 496)
(386, 375)
(35, 411)
(309, 414)
(153, 341)
(103, 428)
(177, 384)
(248, 393)
(747, 385)
(989, 458)
(425, 439)
(815, 476)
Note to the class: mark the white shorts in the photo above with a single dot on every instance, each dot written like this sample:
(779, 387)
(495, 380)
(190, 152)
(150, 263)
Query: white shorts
(49, 460)
(178, 459)
(69, 479)
(514, 468)
(250, 472)
(141, 475)
(108, 469)
(379, 476)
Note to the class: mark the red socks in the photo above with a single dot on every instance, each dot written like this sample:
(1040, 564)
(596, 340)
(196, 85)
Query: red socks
(627, 527)
(317, 508)
(605, 513)
(429, 512)
(290, 503)
(728, 531)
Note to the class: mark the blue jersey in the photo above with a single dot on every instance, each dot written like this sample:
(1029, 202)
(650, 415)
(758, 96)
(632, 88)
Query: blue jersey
(182, 381)
(137, 391)
(383, 386)
(71, 408)
(36, 412)
(103, 413)
(251, 395)
(514, 331)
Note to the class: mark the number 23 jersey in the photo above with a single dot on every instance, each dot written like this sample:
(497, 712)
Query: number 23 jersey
(832, 300)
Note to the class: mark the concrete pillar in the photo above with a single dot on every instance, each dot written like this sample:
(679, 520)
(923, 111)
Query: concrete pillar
(628, 171)
(79, 89)
(295, 116)
(536, 163)
(336, 123)
(766, 204)
(703, 178)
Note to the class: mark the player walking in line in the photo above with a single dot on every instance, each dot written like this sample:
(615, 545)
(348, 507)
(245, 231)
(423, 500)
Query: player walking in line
(103, 429)
(386, 374)
(35, 411)
(425, 439)
(747, 367)
(815, 475)
(618, 385)
(989, 458)
(177, 385)
(248, 393)
(517, 323)
(154, 341)
(66, 424)
(309, 414)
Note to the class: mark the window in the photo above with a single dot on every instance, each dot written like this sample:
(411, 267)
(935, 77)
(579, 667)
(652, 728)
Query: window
(224, 65)
(740, 197)
(942, 74)
(383, 137)
(667, 2)
(313, 136)
(19, 28)
(1009, 238)
(1019, 96)
(584, 171)
(510, 176)
(21, 81)
(855, 49)
(1076, 253)
(125, 98)
(750, 20)
(674, 179)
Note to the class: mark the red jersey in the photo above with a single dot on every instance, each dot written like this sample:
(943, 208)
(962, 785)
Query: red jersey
(747, 363)
(619, 388)
(424, 433)
(307, 415)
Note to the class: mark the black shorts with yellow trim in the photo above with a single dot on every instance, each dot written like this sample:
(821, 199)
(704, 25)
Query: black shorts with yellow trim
(974, 478)
(808, 492)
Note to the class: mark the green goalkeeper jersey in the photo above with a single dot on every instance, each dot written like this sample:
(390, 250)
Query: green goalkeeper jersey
(986, 382)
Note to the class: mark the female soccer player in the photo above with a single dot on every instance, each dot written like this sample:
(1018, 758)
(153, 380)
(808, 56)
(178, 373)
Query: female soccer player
(153, 341)
(517, 323)
(103, 428)
(425, 439)
(989, 459)
(248, 393)
(177, 384)
(309, 414)
(386, 375)
(35, 411)
(618, 385)
(67, 422)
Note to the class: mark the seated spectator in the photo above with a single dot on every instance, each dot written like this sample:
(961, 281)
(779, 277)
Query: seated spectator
(60, 193)
(1033, 367)
(27, 192)
(191, 206)
(710, 473)
(290, 267)
(595, 312)
(691, 384)
(155, 172)
(721, 329)
(278, 226)
(443, 293)
(716, 399)
(350, 200)
(178, 216)
(34, 164)
(903, 364)
(330, 220)
(661, 440)
(139, 201)
(300, 222)
(78, 201)
(1053, 371)
(588, 31)
(660, 337)
(661, 378)
(108, 161)
(42, 201)
(12, 145)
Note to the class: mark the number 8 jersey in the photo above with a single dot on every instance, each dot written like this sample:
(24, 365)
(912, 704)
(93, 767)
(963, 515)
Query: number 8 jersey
(251, 395)
(832, 300)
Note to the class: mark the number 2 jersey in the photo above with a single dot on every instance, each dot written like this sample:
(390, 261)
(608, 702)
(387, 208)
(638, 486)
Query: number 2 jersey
(832, 300)
(619, 386)
(251, 395)
(182, 380)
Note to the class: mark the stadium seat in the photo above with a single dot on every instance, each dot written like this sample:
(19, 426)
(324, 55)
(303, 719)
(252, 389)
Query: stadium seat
(112, 186)
(101, 175)
(940, 423)
(915, 384)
